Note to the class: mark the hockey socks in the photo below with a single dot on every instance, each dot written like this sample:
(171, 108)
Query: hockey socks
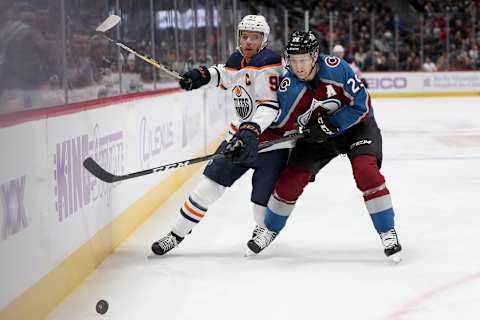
(289, 187)
(259, 214)
(275, 222)
(191, 213)
(381, 213)
(375, 193)
(196, 205)
(277, 213)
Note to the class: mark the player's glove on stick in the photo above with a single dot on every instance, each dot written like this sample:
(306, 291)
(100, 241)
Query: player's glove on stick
(195, 78)
(320, 129)
(243, 147)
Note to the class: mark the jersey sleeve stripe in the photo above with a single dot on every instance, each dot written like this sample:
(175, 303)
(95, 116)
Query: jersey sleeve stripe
(218, 75)
(269, 106)
(266, 101)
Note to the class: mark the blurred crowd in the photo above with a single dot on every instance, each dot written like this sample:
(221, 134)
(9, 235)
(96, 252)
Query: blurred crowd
(44, 64)
(443, 36)
(377, 51)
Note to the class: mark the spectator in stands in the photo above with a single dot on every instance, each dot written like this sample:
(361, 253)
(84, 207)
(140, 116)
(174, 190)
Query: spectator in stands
(360, 56)
(131, 78)
(428, 65)
(412, 63)
(80, 68)
(101, 58)
(25, 67)
(391, 61)
(201, 59)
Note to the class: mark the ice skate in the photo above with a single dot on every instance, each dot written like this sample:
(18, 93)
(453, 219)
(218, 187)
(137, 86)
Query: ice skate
(393, 249)
(258, 229)
(261, 240)
(166, 244)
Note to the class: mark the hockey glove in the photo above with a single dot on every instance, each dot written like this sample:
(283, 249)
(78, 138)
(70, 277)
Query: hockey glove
(242, 148)
(195, 78)
(320, 129)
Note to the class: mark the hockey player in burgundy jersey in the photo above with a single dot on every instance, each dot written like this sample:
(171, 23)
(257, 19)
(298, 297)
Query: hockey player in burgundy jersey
(333, 104)
(251, 75)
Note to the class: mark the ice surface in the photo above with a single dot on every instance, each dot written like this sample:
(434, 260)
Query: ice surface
(328, 261)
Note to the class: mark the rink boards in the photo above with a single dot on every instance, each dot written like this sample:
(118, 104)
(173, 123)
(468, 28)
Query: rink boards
(422, 84)
(58, 222)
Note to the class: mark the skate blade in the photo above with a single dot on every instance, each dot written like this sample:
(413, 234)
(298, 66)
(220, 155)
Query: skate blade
(395, 258)
(249, 253)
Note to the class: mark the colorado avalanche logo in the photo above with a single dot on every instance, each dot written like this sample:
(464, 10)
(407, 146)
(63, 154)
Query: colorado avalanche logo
(284, 85)
(243, 102)
(332, 62)
(327, 106)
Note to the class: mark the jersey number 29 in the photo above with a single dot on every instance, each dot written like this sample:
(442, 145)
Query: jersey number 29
(356, 85)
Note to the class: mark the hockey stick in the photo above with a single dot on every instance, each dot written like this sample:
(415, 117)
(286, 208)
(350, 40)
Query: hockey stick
(112, 21)
(95, 169)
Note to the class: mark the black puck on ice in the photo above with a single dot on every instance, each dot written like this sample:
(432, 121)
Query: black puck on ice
(102, 306)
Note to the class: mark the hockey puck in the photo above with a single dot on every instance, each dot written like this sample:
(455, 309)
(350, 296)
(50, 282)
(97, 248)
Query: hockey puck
(102, 306)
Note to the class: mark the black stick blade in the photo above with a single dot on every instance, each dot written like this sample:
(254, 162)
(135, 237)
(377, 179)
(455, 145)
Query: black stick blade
(95, 169)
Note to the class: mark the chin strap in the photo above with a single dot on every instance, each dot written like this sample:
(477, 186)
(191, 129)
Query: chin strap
(313, 71)
(315, 59)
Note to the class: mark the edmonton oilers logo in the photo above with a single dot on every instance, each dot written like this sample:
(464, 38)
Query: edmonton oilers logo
(242, 101)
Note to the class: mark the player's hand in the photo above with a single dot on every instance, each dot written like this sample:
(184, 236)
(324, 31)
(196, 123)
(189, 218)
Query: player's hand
(319, 129)
(195, 78)
(243, 147)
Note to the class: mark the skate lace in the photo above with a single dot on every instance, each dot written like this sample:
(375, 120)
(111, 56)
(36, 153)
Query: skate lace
(167, 243)
(258, 229)
(264, 238)
(389, 238)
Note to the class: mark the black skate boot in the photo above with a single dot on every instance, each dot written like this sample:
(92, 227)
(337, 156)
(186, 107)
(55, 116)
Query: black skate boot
(257, 230)
(166, 244)
(392, 246)
(261, 240)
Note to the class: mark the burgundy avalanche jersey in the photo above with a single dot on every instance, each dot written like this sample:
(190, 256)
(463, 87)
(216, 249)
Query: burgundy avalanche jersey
(335, 89)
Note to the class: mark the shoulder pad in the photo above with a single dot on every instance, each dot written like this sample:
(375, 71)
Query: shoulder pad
(329, 61)
(234, 61)
(264, 58)
(332, 68)
(290, 86)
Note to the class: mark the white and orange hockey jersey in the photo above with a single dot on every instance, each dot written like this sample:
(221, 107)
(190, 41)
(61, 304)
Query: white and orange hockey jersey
(253, 88)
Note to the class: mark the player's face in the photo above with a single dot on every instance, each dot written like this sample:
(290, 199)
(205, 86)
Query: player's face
(302, 65)
(250, 43)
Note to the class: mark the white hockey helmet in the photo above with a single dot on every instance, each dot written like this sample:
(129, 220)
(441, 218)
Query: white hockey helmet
(255, 23)
(338, 50)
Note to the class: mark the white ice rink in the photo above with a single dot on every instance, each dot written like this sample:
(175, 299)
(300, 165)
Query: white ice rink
(328, 262)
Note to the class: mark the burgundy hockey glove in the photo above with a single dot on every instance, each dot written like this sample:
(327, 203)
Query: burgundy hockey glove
(243, 147)
(320, 129)
(195, 78)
